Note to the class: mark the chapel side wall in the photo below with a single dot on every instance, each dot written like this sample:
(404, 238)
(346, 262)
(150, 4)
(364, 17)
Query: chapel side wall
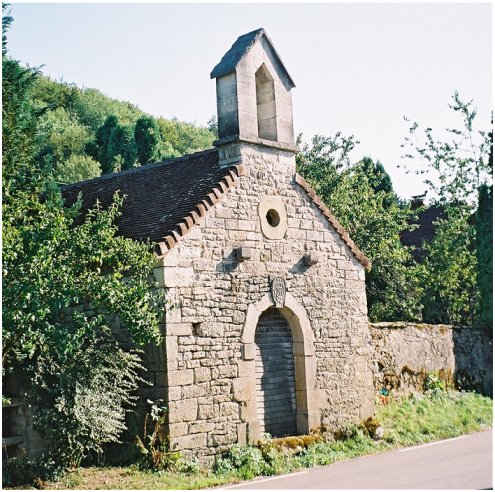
(404, 353)
(212, 292)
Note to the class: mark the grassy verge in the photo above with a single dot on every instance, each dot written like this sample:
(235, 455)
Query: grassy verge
(404, 422)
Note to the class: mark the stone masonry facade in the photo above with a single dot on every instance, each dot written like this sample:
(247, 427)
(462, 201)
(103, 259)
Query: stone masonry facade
(209, 373)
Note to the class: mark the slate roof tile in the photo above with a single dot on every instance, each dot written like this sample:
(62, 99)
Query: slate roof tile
(164, 199)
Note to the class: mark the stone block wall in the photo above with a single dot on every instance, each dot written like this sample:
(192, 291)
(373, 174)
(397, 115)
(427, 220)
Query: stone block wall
(404, 353)
(208, 365)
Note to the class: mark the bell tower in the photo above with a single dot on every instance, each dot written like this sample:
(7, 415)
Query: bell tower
(254, 102)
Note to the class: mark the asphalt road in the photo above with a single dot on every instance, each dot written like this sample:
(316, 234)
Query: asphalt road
(461, 463)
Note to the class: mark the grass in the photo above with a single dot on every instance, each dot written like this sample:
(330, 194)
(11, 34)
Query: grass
(132, 478)
(407, 421)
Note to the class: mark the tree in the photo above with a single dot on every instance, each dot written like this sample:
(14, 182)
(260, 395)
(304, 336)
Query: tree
(212, 125)
(374, 219)
(86, 122)
(63, 136)
(448, 272)
(77, 168)
(379, 178)
(106, 144)
(484, 245)
(455, 170)
(125, 146)
(185, 138)
(147, 136)
(484, 254)
(93, 108)
(64, 284)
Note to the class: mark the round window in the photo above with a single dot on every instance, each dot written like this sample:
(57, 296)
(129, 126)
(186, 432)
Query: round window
(273, 217)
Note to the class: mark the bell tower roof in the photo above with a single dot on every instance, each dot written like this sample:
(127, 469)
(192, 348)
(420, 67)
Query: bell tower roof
(241, 48)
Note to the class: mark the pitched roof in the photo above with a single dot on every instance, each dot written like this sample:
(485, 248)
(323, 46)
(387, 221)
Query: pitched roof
(360, 256)
(240, 48)
(163, 200)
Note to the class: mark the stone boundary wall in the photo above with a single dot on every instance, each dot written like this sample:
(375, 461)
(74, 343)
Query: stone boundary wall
(404, 353)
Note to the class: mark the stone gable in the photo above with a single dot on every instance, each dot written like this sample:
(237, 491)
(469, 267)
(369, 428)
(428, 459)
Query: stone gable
(210, 376)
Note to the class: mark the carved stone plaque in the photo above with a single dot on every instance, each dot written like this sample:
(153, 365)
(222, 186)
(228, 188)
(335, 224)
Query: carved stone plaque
(278, 291)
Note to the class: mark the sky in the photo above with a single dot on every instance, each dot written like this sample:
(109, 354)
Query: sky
(358, 68)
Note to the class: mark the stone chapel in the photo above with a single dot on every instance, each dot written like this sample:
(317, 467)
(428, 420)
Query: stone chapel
(269, 329)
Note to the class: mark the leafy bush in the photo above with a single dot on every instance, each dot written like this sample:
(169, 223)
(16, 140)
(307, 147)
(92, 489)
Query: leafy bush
(81, 397)
(32, 471)
(247, 461)
(434, 382)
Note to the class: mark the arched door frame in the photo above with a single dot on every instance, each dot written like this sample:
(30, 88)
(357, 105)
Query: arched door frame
(304, 362)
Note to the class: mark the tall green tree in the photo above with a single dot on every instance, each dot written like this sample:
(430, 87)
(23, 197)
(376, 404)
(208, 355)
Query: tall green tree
(374, 219)
(106, 148)
(185, 138)
(378, 177)
(125, 146)
(147, 137)
(484, 245)
(455, 169)
(63, 284)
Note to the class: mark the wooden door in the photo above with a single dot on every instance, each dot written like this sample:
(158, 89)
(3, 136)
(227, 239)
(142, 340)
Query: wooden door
(275, 381)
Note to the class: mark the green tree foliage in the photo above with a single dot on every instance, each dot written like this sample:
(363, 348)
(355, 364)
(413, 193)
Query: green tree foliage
(212, 125)
(456, 168)
(147, 137)
(378, 177)
(186, 138)
(367, 207)
(448, 273)
(85, 122)
(63, 284)
(20, 135)
(126, 146)
(484, 245)
(93, 108)
(63, 136)
(484, 254)
(106, 140)
(114, 146)
(76, 168)
(47, 93)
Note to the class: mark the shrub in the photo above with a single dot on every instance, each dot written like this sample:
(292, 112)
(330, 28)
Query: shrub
(247, 461)
(81, 397)
(434, 382)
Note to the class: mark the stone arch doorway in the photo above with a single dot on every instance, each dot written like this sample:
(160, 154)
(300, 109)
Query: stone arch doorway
(307, 414)
(275, 376)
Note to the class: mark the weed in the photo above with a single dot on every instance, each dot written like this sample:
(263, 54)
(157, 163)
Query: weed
(154, 447)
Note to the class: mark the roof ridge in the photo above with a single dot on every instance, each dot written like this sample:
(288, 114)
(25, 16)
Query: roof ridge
(240, 48)
(341, 231)
(139, 169)
(216, 194)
